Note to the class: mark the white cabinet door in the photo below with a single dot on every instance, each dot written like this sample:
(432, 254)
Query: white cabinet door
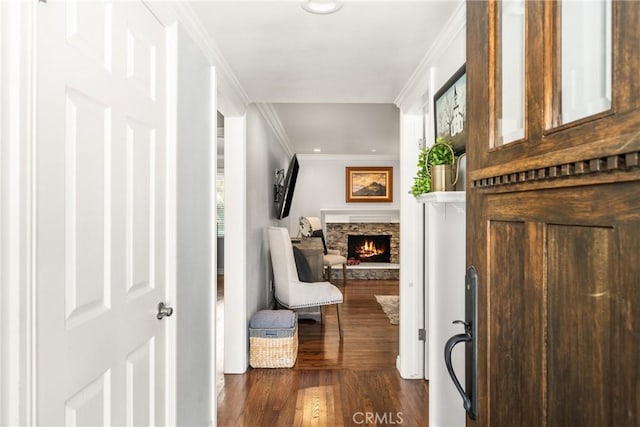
(101, 206)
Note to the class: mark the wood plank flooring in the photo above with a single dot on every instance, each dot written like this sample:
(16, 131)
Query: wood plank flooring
(333, 384)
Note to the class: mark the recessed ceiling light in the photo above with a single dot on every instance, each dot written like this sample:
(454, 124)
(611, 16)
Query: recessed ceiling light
(373, 150)
(322, 7)
(317, 150)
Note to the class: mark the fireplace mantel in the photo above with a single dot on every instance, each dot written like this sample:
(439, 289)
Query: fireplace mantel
(360, 215)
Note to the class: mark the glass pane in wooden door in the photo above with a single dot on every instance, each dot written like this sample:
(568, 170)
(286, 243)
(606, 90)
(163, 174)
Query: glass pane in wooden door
(510, 60)
(585, 59)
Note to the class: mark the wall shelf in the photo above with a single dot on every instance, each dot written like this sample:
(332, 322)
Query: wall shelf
(443, 197)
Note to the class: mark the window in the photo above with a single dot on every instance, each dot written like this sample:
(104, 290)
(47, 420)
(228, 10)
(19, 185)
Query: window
(220, 203)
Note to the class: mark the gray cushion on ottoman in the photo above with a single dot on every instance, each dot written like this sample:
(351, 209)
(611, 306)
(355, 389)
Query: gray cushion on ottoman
(273, 319)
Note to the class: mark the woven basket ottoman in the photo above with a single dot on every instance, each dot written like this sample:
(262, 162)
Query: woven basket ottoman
(273, 339)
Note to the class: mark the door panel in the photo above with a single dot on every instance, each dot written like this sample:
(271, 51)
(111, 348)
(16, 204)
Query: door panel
(140, 385)
(580, 286)
(87, 222)
(507, 301)
(91, 406)
(100, 214)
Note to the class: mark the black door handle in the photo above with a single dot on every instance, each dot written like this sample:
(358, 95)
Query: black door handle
(470, 336)
(448, 348)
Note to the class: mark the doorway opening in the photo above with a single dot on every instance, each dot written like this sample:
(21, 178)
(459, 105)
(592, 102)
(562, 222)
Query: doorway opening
(220, 253)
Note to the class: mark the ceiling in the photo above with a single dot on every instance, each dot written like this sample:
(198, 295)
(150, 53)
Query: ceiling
(355, 129)
(361, 56)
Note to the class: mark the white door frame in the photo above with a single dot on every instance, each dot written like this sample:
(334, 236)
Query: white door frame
(171, 218)
(17, 296)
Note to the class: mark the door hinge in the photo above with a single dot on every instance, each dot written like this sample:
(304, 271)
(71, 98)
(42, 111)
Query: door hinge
(422, 334)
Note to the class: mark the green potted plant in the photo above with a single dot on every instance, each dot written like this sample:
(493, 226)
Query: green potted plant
(440, 161)
(440, 153)
(422, 180)
(435, 166)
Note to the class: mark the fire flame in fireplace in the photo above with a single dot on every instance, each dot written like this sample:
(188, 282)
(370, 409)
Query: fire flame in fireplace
(369, 249)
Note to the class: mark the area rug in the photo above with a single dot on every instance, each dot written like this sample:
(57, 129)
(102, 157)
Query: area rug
(391, 306)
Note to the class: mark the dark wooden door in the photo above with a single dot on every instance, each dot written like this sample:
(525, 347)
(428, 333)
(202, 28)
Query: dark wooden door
(553, 227)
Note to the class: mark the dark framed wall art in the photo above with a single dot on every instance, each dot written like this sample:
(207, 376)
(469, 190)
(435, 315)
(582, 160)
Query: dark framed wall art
(450, 112)
(369, 184)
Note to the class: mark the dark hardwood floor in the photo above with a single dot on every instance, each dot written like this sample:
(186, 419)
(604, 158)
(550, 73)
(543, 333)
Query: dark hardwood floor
(333, 384)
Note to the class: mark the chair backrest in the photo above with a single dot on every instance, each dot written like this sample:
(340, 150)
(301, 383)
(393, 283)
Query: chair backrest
(316, 230)
(282, 261)
(315, 222)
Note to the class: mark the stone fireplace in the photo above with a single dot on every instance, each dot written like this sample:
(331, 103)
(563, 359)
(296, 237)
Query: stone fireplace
(337, 236)
(365, 223)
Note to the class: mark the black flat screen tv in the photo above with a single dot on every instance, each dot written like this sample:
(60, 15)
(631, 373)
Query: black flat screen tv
(285, 192)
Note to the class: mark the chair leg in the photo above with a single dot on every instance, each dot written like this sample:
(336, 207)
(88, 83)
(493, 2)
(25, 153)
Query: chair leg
(344, 275)
(339, 311)
(328, 279)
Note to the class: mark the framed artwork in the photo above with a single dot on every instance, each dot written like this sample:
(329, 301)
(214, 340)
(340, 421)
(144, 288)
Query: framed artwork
(450, 112)
(369, 184)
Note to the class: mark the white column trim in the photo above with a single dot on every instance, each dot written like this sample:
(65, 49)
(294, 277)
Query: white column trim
(236, 350)
(410, 361)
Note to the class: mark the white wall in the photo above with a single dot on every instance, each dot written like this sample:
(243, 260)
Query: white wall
(321, 185)
(195, 234)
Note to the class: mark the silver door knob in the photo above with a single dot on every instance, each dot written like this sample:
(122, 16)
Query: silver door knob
(164, 311)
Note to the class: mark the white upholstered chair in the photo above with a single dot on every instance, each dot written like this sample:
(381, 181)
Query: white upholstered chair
(332, 257)
(290, 291)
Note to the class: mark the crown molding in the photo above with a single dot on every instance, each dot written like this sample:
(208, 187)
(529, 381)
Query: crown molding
(418, 83)
(350, 157)
(229, 86)
(273, 120)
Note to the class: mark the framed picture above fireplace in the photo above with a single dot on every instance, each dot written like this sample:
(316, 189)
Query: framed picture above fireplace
(369, 184)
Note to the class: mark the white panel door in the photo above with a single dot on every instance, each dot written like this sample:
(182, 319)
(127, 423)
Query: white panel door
(101, 209)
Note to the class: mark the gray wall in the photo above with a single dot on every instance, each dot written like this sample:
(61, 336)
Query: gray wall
(196, 231)
(264, 156)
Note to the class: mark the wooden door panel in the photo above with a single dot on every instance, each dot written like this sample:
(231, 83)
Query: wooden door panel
(507, 349)
(515, 332)
(625, 341)
(580, 286)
